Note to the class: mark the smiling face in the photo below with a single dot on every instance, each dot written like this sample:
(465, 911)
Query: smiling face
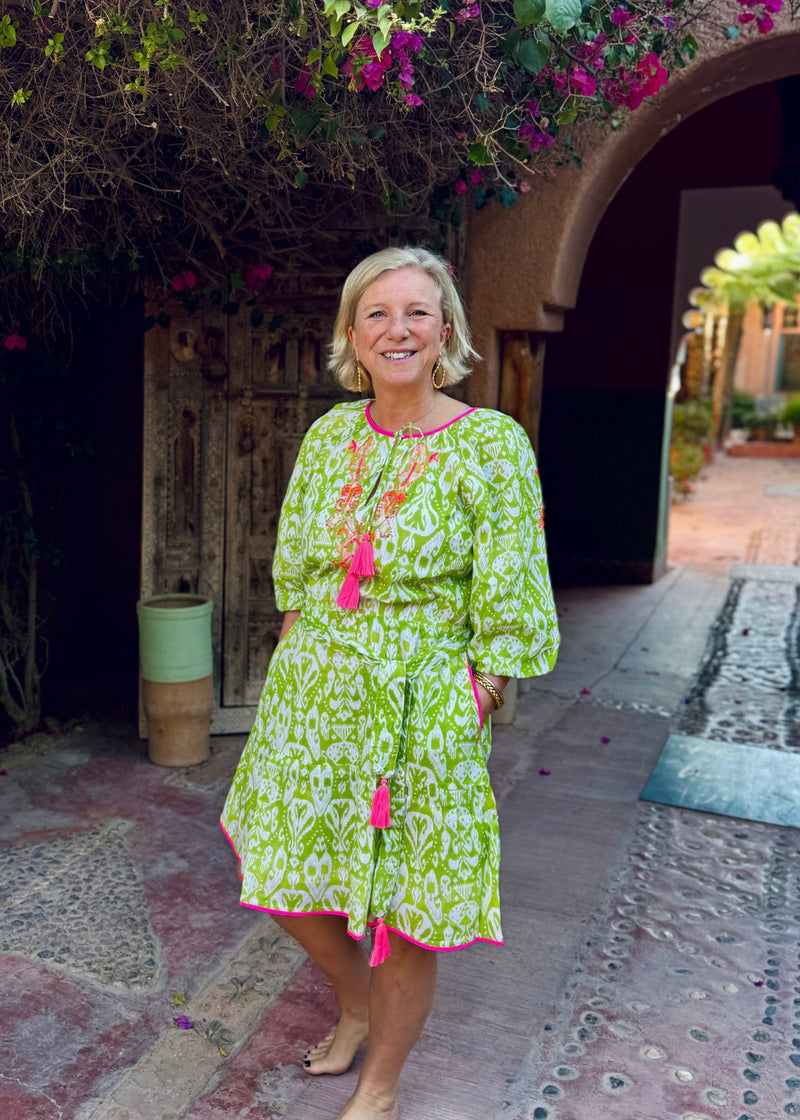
(398, 331)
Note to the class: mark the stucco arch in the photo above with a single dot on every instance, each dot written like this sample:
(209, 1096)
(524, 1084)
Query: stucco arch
(524, 266)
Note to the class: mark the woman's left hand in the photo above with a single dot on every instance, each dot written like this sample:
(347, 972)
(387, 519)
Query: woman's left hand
(486, 700)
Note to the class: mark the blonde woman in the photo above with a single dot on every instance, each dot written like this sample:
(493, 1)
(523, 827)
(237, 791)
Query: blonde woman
(412, 570)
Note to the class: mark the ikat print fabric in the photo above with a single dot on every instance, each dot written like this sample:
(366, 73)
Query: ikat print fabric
(385, 690)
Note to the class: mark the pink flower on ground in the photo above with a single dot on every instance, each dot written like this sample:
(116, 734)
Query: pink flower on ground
(476, 177)
(183, 1022)
(256, 277)
(460, 187)
(581, 82)
(16, 341)
(773, 6)
(412, 99)
(621, 16)
(764, 23)
(746, 17)
(524, 187)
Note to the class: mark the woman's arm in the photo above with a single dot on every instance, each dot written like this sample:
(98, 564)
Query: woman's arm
(289, 620)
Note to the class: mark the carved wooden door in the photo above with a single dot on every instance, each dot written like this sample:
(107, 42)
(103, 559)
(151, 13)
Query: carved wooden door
(226, 407)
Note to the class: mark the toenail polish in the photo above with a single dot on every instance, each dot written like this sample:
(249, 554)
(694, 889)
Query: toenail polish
(306, 1062)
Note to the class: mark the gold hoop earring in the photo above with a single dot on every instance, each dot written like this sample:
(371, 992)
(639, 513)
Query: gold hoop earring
(360, 388)
(438, 368)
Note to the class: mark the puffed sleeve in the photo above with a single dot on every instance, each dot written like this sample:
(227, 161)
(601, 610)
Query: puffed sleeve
(288, 570)
(512, 613)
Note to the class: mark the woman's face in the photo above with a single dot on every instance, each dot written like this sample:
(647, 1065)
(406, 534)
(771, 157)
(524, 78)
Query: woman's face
(398, 331)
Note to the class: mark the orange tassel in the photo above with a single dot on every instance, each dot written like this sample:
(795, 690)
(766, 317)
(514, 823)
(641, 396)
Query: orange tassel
(381, 949)
(350, 594)
(381, 804)
(363, 562)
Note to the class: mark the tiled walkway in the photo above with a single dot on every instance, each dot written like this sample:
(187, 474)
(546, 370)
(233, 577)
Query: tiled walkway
(646, 947)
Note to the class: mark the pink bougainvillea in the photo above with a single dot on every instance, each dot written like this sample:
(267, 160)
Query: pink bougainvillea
(372, 70)
(15, 341)
(256, 277)
(184, 281)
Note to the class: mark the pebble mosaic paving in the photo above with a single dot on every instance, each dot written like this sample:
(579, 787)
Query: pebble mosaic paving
(76, 902)
(684, 1002)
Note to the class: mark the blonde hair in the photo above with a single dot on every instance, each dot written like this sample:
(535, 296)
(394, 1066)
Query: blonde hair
(458, 352)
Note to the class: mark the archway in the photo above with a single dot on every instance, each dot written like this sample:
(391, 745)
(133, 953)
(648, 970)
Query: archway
(605, 379)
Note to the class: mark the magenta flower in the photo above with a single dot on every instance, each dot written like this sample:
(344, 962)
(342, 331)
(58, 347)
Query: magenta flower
(468, 11)
(183, 1022)
(544, 773)
(407, 41)
(178, 283)
(412, 99)
(533, 108)
(621, 16)
(304, 85)
(190, 280)
(256, 277)
(460, 187)
(764, 23)
(476, 176)
(582, 83)
(746, 17)
(535, 139)
(773, 6)
(16, 341)
(374, 3)
(605, 739)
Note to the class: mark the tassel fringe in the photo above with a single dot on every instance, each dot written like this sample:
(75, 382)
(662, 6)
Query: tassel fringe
(363, 562)
(350, 594)
(381, 806)
(381, 949)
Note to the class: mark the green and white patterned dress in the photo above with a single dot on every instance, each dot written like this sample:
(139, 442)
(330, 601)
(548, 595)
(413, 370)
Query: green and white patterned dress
(385, 690)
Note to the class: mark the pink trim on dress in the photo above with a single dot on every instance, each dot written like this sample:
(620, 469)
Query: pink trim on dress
(383, 432)
(476, 695)
(344, 914)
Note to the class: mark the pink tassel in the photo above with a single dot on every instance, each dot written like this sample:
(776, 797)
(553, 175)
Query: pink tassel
(349, 594)
(363, 562)
(381, 804)
(381, 949)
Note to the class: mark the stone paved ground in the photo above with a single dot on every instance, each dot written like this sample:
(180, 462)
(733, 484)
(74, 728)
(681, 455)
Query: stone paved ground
(650, 968)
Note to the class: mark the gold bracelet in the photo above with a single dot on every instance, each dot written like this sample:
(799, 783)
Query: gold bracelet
(490, 687)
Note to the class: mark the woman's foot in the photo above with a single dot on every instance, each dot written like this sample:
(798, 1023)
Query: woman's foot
(368, 1106)
(336, 1051)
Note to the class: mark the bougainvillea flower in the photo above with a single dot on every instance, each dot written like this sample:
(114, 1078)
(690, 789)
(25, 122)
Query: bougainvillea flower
(304, 85)
(256, 277)
(476, 176)
(16, 341)
(746, 17)
(654, 73)
(524, 187)
(183, 1022)
(605, 739)
(773, 6)
(621, 16)
(412, 99)
(407, 41)
(764, 23)
(468, 11)
(581, 82)
(533, 108)
(374, 3)
(535, 139)
(190, 279)
(460, 187)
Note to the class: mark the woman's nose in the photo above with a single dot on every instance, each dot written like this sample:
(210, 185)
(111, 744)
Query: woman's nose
(397, 326)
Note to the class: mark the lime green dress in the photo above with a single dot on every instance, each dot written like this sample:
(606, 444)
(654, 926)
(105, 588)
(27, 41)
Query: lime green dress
(377, 694)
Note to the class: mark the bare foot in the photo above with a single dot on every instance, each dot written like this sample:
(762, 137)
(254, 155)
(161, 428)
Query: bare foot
(366, 1106)
(336, 1051)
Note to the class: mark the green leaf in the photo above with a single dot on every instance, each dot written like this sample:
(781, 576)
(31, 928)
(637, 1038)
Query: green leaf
(237, 281)
(304, 122)
(479, 154)
(341, 7)
(377, 133)
(533, 55)
(380, 42)
(300, 179)
(349, 32)
(330, 67)
(314, 55)
(567, 116)
(528, 11)
(690, 45)
(563, 14)
(481, 101)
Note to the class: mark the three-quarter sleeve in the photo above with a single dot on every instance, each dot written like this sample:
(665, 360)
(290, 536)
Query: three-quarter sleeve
(288, 565)
(512, 613)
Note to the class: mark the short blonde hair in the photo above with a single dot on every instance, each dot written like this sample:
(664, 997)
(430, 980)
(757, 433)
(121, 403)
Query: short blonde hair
(455, 357)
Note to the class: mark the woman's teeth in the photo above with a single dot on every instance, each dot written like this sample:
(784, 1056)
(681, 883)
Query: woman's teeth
(398, 355)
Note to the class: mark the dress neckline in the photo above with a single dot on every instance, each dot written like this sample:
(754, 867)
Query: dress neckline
(384, 432)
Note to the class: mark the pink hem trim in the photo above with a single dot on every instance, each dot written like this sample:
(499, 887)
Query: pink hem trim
(475, 694)
(437, 948)
(344, 914)
(383, 431)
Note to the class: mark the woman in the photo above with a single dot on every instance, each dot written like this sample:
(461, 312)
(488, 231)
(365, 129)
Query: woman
(411, 567)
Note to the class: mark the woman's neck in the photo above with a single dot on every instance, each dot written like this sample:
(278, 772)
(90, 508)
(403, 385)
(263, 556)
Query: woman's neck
(393, 411)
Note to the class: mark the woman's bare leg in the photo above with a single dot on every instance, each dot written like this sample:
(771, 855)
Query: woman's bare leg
(324, 937)
(400, 999)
